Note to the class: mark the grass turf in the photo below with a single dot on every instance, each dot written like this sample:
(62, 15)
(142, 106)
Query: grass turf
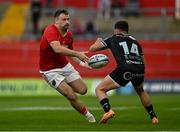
(133, 118)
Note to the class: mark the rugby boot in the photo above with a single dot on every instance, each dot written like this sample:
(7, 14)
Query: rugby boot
(107, 116)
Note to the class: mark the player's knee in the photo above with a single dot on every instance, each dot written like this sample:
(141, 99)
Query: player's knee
(99, 89)
(139, 90)
(83, 91)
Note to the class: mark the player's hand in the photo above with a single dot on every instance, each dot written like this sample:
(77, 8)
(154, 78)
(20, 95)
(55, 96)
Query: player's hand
(85, 64)
(83, 57)
(85, 52)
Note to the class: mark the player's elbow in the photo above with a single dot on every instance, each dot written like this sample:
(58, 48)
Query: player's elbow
(58, 50)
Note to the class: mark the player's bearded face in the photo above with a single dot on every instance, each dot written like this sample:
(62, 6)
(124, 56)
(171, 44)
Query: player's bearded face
(66, 26)
(64, 22)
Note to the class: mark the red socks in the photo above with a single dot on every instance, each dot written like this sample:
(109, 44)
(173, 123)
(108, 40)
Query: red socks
(84, 111)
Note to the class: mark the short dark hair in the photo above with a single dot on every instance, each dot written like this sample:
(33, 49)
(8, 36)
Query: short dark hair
(60, 11)
(122, 25)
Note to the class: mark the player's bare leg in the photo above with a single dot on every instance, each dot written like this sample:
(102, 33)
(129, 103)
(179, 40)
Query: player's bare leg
(145, 100)
(78, 86)
(101, 90)
(69, 93)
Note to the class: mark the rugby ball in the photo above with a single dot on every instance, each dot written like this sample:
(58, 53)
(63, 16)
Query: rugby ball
(98, 61)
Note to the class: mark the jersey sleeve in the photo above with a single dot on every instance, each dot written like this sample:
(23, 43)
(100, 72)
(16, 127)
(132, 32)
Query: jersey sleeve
(106, 42)
(51, 35)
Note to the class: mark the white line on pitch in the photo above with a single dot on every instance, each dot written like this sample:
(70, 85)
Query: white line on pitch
(40, 108)
(174, 109)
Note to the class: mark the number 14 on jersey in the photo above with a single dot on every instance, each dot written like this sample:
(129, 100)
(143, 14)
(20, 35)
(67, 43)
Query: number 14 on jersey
(133, 49)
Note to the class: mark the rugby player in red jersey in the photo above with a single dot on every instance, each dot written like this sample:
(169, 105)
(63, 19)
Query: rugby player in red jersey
(55, 46)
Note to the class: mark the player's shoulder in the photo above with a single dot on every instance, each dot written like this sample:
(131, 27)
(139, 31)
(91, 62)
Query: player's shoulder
(50, 28)
(131, 37)
(108, 39)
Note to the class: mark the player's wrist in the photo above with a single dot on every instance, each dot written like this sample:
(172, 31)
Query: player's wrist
(78, 55)
(81, 63)
(75, 54)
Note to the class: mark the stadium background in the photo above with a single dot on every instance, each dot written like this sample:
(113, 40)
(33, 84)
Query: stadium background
(155, 23)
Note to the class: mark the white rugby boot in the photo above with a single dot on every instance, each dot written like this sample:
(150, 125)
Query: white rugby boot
(90, 118)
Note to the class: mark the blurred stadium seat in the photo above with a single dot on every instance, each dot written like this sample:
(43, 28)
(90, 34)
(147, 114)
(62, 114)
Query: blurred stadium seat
(155, 18)
(13, 23)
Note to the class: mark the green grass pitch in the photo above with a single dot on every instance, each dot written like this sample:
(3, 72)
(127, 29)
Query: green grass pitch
(53, 113)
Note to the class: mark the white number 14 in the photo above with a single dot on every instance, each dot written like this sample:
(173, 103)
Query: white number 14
(134, 48)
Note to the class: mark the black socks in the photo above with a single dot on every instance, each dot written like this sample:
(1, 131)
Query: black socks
(150, 111)
(105, 104)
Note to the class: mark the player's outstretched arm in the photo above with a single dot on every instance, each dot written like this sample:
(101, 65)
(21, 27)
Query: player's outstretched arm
(81, 63)
(97, 45)
(58, 48)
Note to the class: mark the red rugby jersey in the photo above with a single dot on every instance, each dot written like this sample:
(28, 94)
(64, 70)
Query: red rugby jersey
(48, 58)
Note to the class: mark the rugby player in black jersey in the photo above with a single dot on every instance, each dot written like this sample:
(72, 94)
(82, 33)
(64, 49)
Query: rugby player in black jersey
(130, 67)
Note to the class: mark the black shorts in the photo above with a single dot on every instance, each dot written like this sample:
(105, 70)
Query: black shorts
(126, 73)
